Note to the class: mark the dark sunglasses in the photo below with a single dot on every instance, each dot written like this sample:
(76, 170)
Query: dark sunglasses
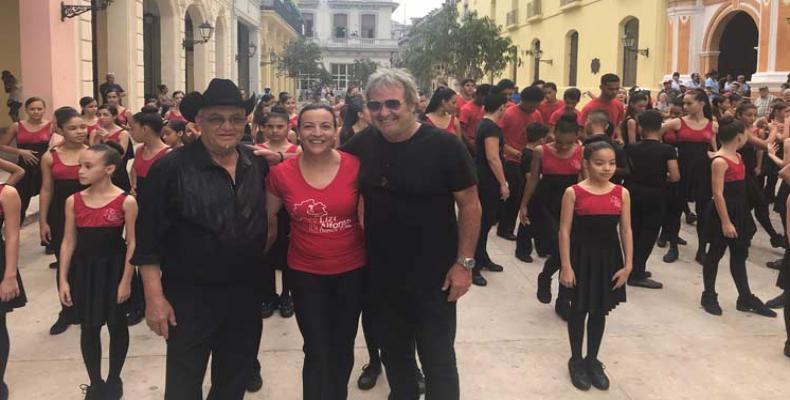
(375, 106)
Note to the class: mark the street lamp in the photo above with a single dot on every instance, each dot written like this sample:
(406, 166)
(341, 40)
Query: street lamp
(630, 44)
(252, 48)
(205, 30)
(273, 58)
(537, 54)
(72, 10)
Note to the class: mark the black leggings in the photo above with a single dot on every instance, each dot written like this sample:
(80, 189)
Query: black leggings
(596, 324)
(90, 342)
(646, 219)
(739, 250)
(759, 203)
(5, 346)
(368, 329)
(672, 223)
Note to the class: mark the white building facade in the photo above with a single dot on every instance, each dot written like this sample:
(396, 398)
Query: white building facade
(348, 30)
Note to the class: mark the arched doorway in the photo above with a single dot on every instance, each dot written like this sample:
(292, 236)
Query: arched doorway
(629, 43)
(196, 48)
(573, 57)
(152, 48)
(737, 45)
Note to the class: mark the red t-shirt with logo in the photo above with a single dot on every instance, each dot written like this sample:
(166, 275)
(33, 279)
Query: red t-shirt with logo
(470, 116)
(547, 109)
(514, 124)
(326, 237)
(614, 108)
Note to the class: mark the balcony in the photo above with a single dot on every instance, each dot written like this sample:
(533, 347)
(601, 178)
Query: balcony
(511, 19)
(569, 4)
(285, 9)
(534, 10)
(355, 43)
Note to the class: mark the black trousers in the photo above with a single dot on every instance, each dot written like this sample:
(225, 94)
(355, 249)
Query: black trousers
(527, 233)
(221, 321)
(492, 207)
(409, 316)
(739, 251)
(647, 216)
(509, 214)
(327, 312)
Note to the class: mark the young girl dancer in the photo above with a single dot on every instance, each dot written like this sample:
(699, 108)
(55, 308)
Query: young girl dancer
(637, 103)
(174, 133)
(555, 167)
(441, 112)
(95, 249)
(110, 131)
(595, 262)
(729, 223)
(32, 140)
(59, 173)
(113, 99)
(89, 108)
(12, 293)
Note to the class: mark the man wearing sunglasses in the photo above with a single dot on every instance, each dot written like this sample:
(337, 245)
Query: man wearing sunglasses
(420, 254)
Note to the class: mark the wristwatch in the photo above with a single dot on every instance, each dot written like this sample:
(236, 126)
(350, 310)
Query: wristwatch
(467, 263)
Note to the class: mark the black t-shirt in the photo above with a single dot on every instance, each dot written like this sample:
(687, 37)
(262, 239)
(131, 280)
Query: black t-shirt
(526, 160)
(411, 228)
(648, 159)
(486, 129)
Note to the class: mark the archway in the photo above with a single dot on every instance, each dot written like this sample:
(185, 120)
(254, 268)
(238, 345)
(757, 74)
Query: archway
(573, 57)
(196, 60)
(737, 45)
(629, 43)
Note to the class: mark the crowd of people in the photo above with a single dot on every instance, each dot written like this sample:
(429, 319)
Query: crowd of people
(379, 206)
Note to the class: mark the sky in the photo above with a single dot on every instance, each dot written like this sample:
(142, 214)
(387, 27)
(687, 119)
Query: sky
(414, 8)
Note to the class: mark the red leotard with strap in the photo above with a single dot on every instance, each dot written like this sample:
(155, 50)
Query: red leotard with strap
(42, 135)
(735, 171)
(553, 165)
(141, 165)
(588, 203)
(61, 171)
(688, 134)
(110, 215)
(450, 127)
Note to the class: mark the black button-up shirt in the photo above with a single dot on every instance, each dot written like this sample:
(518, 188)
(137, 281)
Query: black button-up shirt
(197, 224)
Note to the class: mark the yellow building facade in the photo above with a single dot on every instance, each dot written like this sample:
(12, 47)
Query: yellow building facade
(276, 33)
(574, 42)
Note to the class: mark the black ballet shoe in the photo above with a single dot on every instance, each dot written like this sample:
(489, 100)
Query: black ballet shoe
(598, 378)
(114, 389)
(646, 283)
(135, 317)
(507, 236)
(493, 267)
(776, 264)
(94, 392)
(544, 288)
(420, 382)
(579, 375)
(54, 265)
(700, 257)
(710, 303)
(49, 250)
(777, 302)
(478, 279)
(524, 257)
(787, 348)
(752, 304)
(681, 241)
(370, 375)
(777, 241)
(691, 218)
(255, 383)
(59, 326)
(286, 307)
(4, 390)
(542, 255)
(672, 255)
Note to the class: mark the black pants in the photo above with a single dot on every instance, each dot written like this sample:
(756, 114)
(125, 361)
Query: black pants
(527, 233)
(492, 207)
(647, 215)
(67, 314)
(672, 223)
(509, 214)
(409, 316)
(327, 311)
(221, 321)
(270, 283)
(759, 203)
(739, 250)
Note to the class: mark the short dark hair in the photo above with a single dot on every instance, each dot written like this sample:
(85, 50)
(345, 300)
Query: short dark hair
(609, 78)
(594, 146)
(86, 101)
(493, 101)
(550, 85)
(316, 107)
(729, 128)
(31, 100)
(506, 84)
(538, 82)
(482, 91)
(572, 94)
(150, 118)
(64, 114)
(536, 131)
(532, 94)
(674, 74)
(467, 80)
(568, 123)
(650, 120)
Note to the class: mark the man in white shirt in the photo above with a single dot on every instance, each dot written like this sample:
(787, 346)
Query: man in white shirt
(763, 102)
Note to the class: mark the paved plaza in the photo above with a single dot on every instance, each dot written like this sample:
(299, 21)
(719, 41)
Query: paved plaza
(659, 345)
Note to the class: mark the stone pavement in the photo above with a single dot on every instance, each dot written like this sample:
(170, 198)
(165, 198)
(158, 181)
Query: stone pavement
(659, 345)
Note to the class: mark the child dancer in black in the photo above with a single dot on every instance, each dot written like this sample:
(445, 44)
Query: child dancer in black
(651, 162)
(94, 247)
(12, 293)
(555, 167)
(536, 135)
(728, 221)
(59, 180)
(595, 262)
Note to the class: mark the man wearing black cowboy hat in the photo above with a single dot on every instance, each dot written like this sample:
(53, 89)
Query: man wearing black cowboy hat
(202, 226)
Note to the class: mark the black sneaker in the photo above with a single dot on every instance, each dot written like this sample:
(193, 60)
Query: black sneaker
(95, 392)
(544, 288)
(691, 218)
(777, 241)
(3, 391)
(672, 255)
(524, 258)
(777, 302)
(776, 264)
(59, 326)
(646, 283)
(661, 242)
(286, 307)
(710, 303)
(787, 350)
(562, 308)
(48, 250)
(579, 375)
(54, 265)
(507, 236)
(369, 376)
(268, 308)
(598, 378)
(681, 241)
(135, 317)
(478, 279)
(542, 255)
(420, 382)
(255, 383)
(493, 267)
(114, 389)
(752, 304)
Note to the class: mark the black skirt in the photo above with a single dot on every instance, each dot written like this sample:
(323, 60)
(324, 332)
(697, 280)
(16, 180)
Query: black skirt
(694, 166)
(30, 184)
(277, 257)
(18, 301)
(736, 197)
(596, 256)
(56, 217)
(547, 202)
(780, 205)
(98, 265)
(784, 274)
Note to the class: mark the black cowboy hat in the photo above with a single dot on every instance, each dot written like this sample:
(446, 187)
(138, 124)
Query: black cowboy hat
(220, 92)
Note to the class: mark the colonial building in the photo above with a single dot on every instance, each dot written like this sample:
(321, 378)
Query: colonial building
(748, 37)
(179, 43)
(280, 24)
(347, 30)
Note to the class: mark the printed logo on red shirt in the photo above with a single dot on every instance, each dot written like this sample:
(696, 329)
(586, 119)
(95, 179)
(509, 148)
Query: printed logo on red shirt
(112, 216)
(616, 201)
(575, 163)
(316, 216)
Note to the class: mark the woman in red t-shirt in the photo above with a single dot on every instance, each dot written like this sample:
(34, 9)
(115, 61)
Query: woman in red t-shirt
(326, 251)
